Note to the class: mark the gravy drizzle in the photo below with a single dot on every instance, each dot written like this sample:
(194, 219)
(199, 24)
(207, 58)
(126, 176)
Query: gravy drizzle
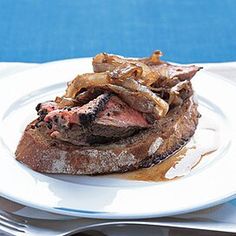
(204, 142)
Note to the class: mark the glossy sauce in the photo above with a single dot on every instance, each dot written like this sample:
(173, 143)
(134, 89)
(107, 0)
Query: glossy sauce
(204, 142)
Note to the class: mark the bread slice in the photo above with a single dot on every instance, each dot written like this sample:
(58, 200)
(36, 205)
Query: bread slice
(45, 154)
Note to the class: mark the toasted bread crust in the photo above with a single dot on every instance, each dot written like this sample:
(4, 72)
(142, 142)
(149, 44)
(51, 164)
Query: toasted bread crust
(44, 154)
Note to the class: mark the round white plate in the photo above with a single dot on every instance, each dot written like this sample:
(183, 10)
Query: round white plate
(210, 183)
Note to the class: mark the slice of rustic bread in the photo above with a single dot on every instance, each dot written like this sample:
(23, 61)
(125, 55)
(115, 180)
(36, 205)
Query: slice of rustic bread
(42, 153)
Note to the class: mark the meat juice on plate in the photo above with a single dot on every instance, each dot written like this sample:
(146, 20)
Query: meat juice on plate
(204, 143)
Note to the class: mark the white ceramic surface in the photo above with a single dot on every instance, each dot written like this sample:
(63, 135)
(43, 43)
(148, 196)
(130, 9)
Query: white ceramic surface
(210, 183)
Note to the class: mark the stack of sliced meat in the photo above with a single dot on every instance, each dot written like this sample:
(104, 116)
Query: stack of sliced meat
(104, 119)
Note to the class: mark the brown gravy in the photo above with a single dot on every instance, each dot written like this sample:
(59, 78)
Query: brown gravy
(203, 143)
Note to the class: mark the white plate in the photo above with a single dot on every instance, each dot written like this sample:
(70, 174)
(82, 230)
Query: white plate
(210, 183)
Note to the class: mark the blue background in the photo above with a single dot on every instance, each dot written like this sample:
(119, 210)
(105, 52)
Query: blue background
(186, 30)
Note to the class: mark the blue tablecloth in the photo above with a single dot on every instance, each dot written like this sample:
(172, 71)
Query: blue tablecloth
(186, 31)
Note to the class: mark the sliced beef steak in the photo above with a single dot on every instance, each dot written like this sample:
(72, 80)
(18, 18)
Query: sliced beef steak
(117, 113)
(104, 119)
(72, 115)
